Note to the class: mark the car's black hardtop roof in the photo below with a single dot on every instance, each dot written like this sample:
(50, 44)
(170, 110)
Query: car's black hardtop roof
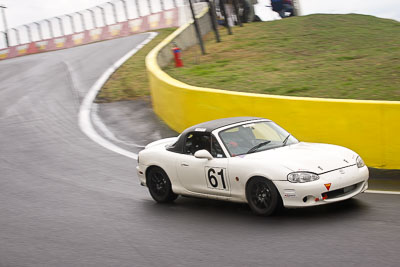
(208, 127)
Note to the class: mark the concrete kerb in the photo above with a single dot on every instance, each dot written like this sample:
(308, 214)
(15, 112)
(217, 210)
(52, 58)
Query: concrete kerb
(368, 127)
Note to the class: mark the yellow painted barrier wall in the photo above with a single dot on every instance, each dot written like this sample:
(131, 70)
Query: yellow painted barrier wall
(371, 128)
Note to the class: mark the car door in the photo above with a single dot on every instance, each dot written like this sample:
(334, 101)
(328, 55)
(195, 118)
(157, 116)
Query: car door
(199, 175)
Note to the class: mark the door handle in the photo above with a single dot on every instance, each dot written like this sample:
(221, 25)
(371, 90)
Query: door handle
(184, 164)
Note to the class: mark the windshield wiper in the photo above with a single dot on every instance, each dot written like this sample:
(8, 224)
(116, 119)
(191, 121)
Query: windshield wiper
(254, 149)
(286, 139)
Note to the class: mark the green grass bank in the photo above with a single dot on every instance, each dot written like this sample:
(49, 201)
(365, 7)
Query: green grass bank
(332, 56)
(130, 80)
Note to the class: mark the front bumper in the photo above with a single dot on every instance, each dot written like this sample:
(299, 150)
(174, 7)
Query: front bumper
(344, 183)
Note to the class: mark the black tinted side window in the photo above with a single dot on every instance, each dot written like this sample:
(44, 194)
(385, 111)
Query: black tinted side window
(197, 141)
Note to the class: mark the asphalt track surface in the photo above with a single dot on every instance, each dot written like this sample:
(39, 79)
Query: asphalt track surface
(66, 201)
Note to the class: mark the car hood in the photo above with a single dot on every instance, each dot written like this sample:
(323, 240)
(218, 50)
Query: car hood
(317, 158)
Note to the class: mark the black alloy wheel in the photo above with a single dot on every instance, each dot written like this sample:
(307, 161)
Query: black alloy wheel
(262, 196)
(160, 186)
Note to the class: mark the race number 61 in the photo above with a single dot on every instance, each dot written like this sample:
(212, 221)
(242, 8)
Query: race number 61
(216, 178)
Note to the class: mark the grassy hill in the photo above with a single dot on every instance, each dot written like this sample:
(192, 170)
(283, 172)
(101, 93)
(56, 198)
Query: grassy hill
(130, 80)
(333, 56)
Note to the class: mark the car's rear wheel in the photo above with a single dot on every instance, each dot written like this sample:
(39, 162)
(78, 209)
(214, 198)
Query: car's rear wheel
(262, 196)
(160, 186)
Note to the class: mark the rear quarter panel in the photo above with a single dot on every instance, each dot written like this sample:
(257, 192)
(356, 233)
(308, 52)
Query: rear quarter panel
(166, 160)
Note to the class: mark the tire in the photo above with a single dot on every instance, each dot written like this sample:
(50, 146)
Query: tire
(262, 196)
(160, 186)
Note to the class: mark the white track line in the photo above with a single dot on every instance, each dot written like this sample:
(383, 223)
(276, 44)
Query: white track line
(85, 122)
(383, 192)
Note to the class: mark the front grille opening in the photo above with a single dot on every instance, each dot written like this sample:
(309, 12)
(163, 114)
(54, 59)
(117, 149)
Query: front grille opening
(341, 192)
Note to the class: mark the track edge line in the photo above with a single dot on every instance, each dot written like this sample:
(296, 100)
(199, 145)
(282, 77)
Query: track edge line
(84, 117)
(382, 192)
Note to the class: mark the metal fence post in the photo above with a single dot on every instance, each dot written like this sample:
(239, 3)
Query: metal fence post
(39, 30)
(138, 8)
(197, 28)
(71, 19)
(103, 13)
(213, 17)
(125, 9)
(114, 11)
(28, 29)
(93, 15)
(82, 20)
(61, 26)
(149, 4)
(50, 28)
(17, 35)
(5, 25)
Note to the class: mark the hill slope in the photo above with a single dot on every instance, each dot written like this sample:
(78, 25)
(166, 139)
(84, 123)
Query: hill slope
(333, 56)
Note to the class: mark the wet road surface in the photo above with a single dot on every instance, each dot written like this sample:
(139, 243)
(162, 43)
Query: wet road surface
(66, 201)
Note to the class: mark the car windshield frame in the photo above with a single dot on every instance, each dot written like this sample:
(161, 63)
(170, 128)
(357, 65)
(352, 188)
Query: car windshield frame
(282, 133)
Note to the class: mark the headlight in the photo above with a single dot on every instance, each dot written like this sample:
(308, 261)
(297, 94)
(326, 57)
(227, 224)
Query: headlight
(302, 177)
(360, 162)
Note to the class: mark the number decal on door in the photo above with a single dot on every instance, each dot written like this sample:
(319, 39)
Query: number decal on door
(216, 178)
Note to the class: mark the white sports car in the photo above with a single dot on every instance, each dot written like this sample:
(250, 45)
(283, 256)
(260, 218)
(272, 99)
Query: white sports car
(250, 160)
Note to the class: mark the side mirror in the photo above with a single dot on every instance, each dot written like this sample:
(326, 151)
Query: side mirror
(203, 154)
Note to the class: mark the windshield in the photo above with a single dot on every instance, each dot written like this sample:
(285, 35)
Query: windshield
(255, 137)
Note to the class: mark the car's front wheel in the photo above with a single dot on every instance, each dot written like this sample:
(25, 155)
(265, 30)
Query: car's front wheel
(160, 186)
(262, 196)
